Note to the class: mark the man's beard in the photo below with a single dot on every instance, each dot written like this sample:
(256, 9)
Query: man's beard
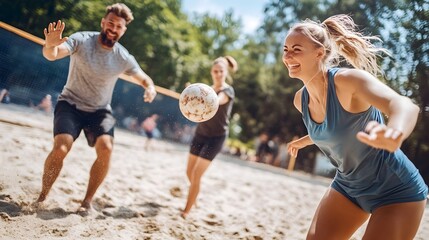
(106, 41)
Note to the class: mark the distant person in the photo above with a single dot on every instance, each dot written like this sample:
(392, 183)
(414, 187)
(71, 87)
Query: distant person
(342, 109)
(148, 126)
(282, 156)
(45, 104)
(96, 61)
(264, 151)
(210, 135)
(4, 96)
(274, 144)
(131, 123)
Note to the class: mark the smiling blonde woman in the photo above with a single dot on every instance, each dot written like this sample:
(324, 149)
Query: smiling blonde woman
(342, 109)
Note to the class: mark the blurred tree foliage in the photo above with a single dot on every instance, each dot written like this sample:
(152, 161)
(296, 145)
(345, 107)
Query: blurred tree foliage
(175, 49)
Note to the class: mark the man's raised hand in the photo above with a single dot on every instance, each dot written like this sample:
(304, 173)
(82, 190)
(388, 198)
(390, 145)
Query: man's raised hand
(53, 34)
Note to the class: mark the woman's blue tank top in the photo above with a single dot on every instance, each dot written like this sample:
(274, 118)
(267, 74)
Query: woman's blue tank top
(358, 165)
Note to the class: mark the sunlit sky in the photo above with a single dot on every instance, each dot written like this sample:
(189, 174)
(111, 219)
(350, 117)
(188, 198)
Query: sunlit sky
(250, 11)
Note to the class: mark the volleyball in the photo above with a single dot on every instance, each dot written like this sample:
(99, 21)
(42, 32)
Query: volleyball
(198, 102)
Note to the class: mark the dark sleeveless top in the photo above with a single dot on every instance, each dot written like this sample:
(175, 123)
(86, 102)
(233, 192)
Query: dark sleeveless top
(219, 123)
(358, 165)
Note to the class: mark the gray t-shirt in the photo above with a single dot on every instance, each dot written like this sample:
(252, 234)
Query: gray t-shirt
(93, 71)
(218, 124)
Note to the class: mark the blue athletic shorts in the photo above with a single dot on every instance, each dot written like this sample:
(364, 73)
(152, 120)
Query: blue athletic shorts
(393, 191)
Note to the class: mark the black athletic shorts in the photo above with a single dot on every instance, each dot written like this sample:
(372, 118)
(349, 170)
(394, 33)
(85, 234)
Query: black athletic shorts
(207, 147)
(149, 134)
(68, 119)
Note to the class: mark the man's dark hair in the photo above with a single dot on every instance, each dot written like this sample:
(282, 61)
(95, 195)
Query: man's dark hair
(120, 10)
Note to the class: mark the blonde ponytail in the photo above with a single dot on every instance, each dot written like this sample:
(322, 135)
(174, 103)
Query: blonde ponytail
(356, 48)
(339, 37)
(230, 63)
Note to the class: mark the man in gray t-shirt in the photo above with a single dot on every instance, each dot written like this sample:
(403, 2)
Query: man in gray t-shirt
(96, 61)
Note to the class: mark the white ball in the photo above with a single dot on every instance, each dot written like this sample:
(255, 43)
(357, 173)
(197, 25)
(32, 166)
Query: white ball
(198, 102)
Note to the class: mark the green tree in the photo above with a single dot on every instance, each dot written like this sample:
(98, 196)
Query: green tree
(164, 42)
(216, 37)
(250, 95)
(412, 58)
(33, 16)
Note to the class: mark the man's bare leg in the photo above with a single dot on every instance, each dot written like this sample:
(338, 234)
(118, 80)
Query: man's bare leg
(54, 163)
(103, 147)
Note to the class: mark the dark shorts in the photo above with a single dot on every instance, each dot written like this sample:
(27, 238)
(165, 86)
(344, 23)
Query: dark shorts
(68, 119)
(148, 134)
(206, 147)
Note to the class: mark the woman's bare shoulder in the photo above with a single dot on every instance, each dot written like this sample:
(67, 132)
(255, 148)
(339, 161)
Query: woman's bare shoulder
(297, 100)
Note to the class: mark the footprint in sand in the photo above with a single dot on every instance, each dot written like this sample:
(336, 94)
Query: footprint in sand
(4, 197)
(176, 192)
(102, 203)
(5, 217)
(151, 227)
(9, 209)
(58, 232)
(66, 190)
(151, 209)
(121, 212)
(55, 213)
(212, 221)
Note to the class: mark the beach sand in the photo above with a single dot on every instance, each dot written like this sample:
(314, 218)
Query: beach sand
(144, 191)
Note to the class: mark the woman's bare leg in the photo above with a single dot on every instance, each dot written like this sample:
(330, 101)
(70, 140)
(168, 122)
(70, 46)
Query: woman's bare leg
(395, 221)
(197, 172)
(336, 217)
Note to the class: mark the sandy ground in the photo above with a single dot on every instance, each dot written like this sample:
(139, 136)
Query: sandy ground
(144, 191)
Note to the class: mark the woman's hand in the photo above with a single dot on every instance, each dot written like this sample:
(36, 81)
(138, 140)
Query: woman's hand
(381, 136)
(294, 146)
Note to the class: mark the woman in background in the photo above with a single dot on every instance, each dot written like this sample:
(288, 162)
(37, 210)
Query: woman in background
(210, 135)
